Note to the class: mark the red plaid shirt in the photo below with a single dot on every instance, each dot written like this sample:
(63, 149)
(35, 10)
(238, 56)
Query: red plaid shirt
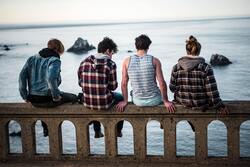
(97, 77)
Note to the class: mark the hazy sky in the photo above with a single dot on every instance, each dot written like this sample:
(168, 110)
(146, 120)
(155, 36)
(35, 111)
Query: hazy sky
(62, 11)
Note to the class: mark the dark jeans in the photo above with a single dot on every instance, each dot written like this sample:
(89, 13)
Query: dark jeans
(97, 125)
(47, 101)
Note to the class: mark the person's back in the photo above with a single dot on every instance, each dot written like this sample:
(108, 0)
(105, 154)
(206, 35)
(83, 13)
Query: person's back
(141, 73)
(193, 82)
(98, 79)
(191, 75)
(38, 67)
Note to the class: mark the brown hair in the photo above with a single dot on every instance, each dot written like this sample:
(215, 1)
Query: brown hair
(142, 42)
(56, 45)
(193, 47)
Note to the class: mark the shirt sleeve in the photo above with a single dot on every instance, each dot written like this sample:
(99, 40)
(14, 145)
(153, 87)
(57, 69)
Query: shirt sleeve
(53, 78)
(79, 74)
(112, 82)
(212, 92)
(23, 79)
(173, 80)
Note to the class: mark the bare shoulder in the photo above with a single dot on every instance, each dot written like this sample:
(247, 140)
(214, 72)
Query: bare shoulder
(156, 62)
(126, 61)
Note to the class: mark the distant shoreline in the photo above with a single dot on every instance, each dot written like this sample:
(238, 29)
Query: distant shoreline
(40, 26)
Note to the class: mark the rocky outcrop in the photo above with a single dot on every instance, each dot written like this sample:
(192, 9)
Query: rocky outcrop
(5, 47)
(8, 47)
(80, 46)
(219, 60)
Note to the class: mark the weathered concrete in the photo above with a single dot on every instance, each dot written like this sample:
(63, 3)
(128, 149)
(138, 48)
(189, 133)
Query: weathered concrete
(27, 115)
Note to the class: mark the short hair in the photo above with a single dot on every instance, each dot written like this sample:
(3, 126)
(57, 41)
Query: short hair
(142, 42)
(107, 44)
(193, 47)
(56, 45)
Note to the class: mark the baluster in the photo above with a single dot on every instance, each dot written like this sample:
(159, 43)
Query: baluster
(55, 138)
(200, 139)
(28, 138)
(233, 139)
(82, 138)
(169, 126)
(3, 140)
(140, 138)
(110, 138)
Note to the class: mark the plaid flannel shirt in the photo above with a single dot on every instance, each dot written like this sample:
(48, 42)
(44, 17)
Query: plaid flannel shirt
(196, 88)
(97, 77)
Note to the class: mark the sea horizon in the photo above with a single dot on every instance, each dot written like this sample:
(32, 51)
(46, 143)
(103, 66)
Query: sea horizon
(9, 26)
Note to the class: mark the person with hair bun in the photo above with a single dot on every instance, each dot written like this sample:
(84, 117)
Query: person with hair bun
(193, 82)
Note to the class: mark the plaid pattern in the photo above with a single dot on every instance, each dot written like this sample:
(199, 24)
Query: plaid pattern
(196, 88)
(97, 77)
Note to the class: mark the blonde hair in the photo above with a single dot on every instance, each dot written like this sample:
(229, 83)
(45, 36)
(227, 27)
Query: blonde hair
(56, 45)
(193, 47)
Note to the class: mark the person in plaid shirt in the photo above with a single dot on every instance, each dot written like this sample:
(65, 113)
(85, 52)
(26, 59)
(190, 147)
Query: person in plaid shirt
(193, 82)
(97, 78)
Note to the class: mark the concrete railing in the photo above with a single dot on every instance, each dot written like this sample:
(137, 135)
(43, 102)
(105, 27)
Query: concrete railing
(27, 115)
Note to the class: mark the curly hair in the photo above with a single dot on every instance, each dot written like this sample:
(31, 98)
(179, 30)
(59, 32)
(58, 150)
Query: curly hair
(107, 44)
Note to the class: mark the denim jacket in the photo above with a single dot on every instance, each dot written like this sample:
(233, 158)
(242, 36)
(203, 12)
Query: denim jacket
(41, 73)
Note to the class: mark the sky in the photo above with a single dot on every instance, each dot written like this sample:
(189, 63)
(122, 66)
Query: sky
(85, 11)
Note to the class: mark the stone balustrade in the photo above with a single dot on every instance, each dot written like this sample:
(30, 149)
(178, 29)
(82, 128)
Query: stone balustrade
(80, 116)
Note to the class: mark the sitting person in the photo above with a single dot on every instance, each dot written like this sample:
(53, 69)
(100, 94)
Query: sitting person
(97, 78)
(193, 82)
(143, 70)
(41, 75)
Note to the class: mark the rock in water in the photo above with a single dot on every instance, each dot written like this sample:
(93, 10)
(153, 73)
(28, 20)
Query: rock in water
(6, 47)
(80, 46)
(219, 60)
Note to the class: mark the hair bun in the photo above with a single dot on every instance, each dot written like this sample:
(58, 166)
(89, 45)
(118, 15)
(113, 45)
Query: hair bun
(191, 39)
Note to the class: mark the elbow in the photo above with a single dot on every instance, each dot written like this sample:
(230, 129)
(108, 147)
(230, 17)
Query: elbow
(163, 84)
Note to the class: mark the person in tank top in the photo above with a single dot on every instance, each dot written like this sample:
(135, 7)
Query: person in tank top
(143, 70)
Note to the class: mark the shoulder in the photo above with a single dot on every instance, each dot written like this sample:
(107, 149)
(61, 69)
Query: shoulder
(205, 67)
(54, 61)
(111, 63)
(156, 61)
(126, 61)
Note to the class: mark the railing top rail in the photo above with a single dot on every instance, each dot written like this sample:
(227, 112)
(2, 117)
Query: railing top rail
(235, 108)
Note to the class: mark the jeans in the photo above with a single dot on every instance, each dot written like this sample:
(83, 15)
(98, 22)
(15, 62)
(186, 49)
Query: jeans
(97, 125)
(47, 101)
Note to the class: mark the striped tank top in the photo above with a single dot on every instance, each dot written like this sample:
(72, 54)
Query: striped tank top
(141, 74)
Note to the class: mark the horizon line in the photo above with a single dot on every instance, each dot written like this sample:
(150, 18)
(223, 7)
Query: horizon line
(58, 25)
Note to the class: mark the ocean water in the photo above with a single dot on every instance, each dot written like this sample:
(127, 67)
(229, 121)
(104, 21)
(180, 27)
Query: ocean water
(229, 37)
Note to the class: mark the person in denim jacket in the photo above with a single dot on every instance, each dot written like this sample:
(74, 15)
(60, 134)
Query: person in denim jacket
(40, 78)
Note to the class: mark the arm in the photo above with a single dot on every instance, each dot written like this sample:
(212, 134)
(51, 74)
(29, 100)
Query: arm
(112, 81)
(53, 74)
(163, 86)
(124, 86)
(173, 83)
(23, 78)
(79, 73)
(212, 91)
